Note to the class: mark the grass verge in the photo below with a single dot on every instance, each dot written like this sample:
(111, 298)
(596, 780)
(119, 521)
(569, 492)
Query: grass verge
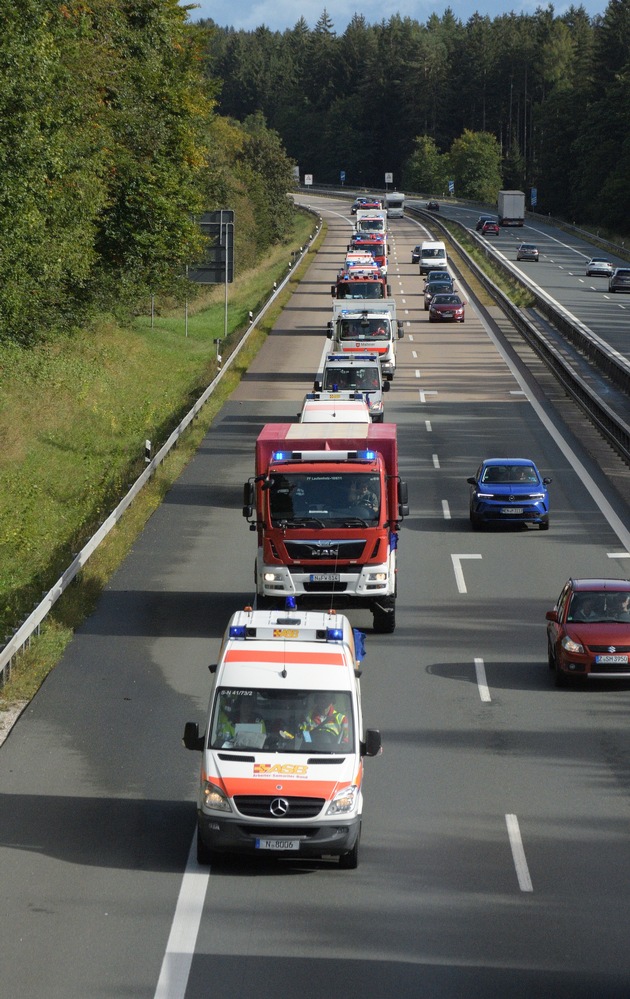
(145, 379)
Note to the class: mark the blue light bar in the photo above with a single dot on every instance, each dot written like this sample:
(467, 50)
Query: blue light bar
(238, 631)
(280, 455)
(334, 634)
(366, 455)
(290, 604)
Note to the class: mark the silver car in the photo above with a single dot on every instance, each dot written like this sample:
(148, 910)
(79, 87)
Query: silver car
(527, 251)
(619, 280)
(599, 266)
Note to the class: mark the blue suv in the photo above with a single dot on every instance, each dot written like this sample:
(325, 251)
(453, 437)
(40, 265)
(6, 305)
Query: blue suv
(509, 489)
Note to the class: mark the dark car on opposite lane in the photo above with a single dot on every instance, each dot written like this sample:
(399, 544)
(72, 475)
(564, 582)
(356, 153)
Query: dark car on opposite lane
(508, 490)
(619, 280)
(482, 219)
(588, 630)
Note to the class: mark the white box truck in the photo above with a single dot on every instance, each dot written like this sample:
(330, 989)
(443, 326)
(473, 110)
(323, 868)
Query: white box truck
(511, 207)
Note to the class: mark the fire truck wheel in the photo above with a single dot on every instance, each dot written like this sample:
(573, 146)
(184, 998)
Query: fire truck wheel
(384, 621)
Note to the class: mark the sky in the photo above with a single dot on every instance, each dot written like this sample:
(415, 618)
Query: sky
(280, 14)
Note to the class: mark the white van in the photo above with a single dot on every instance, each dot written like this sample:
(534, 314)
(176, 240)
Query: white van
(432, 256)
(283, 748)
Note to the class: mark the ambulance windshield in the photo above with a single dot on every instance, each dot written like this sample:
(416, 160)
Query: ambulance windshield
(282, 721)
(362, 328)
(301, 499)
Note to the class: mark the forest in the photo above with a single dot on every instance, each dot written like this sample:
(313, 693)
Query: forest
(110, 149)
(548, 96)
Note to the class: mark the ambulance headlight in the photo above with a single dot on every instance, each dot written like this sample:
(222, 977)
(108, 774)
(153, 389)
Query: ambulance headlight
(214, 798)
(344, 801)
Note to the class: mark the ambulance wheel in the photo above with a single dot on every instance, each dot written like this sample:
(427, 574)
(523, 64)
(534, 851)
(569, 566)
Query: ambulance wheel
(350, 861)
(384, 621)
(205, 855)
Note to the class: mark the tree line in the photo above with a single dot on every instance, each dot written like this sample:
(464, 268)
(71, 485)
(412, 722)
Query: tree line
(519, 101)
(111, 147)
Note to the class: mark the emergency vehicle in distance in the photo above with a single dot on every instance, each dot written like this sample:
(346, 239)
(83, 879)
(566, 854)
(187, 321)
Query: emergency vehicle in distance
(283, 748)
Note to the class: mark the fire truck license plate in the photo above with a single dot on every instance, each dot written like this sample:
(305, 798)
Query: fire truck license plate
(277, 844)
(325, 577)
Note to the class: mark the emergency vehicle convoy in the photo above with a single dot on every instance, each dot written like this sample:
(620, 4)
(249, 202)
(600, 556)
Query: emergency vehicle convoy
(282, 752)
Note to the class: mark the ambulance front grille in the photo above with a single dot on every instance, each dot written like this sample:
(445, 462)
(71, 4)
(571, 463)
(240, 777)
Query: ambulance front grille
(267, 807)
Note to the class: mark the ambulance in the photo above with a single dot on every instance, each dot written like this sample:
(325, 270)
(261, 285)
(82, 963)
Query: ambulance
(283, 748)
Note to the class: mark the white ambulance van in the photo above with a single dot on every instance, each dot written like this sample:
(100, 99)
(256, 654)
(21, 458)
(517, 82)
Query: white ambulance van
(282, 752)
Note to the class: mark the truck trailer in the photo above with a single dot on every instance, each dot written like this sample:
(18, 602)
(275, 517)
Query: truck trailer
(511, 208)
(328, 504)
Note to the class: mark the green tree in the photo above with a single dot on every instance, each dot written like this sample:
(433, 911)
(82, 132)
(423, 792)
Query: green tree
(426, 169)
(475, 162)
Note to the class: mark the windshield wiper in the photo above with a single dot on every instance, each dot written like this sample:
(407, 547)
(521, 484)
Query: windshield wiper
(355, 521)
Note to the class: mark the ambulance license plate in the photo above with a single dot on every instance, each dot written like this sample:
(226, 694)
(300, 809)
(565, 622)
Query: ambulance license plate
(325, 577)
(277, 844)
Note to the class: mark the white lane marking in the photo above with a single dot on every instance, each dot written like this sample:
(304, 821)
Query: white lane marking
(180, 948)
(600, 500)
(482, 683)
(436, 461)
(414, 353)
(517, 392)
(424, 393)
(446, 510)
(457, 568)
(618, 554)
(428, 427)
(410, 338)
(417, 371)
(518, 853)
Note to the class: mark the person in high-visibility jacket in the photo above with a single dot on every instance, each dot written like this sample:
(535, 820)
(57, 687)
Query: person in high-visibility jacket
(324, 717)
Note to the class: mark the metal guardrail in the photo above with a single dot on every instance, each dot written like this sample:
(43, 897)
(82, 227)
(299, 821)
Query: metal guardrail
(31, 626)
(605, 359)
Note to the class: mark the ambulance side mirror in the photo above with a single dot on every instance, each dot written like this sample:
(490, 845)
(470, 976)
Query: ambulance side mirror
(386, 386)
(192, 739)
(372, 745)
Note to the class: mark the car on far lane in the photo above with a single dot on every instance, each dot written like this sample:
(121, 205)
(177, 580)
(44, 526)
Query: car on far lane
(527, 251)
(588, 630)
(508, 490)
(446, 308)
(482, 219)
(619, 280)
(490, 228)
(415, 254)
(599, 266)
(433, 288)
(433, 206)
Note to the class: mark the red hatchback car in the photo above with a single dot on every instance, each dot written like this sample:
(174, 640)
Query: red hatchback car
(588, 630)
(490, 228)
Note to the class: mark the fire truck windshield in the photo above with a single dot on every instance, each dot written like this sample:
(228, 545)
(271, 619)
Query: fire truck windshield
(360, 289)
(303, 499)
